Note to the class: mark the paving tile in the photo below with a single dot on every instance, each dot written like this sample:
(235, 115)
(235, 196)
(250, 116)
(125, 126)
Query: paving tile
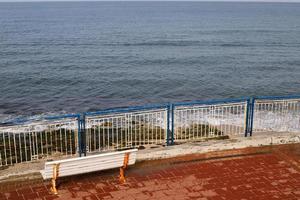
(271, 175)
(13, 195)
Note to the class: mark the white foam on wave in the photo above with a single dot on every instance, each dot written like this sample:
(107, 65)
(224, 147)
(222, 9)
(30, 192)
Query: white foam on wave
(263, 121)
(272, 121)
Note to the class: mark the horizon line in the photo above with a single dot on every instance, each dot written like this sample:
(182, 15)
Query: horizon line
(207, 1)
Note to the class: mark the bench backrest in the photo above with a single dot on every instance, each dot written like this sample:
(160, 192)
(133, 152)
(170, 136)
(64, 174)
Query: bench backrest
(88, 164)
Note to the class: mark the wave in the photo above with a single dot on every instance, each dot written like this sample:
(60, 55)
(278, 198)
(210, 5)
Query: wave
(167, 43)
(263, 121)
(191, 43)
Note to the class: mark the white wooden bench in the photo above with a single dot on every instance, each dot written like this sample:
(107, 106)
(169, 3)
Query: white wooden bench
(81, 165)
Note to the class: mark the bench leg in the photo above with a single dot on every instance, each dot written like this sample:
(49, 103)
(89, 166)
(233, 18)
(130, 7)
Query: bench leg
(54, 177)
(122, 177)
(122, 169)
(53, 187)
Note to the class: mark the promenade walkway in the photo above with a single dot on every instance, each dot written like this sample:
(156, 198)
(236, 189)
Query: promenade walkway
(271, 172)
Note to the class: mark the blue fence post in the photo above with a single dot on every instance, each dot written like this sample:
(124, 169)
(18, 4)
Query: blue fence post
(170, 122)
(247, 117)
(81, 135)
(252, 115)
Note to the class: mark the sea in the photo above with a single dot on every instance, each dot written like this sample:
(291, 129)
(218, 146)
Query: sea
(73, 57)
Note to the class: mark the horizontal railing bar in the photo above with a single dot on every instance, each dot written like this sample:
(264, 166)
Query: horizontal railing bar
(118, 115)
(211, 102)
(127, 109)
(277, 97)
(204, 106)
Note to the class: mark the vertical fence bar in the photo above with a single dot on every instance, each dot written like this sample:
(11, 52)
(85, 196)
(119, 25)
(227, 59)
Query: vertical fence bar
(168, 124)
(172, 124)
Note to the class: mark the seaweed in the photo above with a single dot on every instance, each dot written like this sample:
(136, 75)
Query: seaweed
(197, 131)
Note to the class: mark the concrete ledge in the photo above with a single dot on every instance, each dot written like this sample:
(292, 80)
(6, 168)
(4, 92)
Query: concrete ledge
(237, 142)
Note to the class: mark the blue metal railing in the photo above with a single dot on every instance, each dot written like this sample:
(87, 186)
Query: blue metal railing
(127, 127)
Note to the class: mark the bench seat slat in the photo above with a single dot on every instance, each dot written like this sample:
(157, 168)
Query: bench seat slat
(89, 164)
(85, 168)
(81, 171)
(93, 156)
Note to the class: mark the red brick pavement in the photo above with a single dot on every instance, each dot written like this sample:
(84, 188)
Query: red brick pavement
(255, 173)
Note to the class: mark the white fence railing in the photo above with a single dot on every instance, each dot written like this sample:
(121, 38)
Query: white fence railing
(115, 129)
(126, 130)
(281, 115)
(40, 140)
(207, 121)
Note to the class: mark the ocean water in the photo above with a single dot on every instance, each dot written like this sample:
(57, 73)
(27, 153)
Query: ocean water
(68, 57)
